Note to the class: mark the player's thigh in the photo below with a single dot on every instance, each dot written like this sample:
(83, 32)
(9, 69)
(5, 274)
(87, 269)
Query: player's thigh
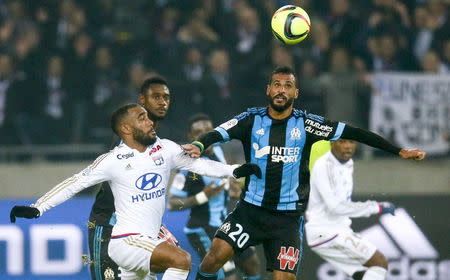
(101, 265)
(167, 255)
(134, 252)
(239, 229)
(248, 261)
(282, 248)
(348, 251)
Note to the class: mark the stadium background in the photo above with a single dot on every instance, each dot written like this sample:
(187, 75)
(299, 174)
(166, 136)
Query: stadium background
(65, 65)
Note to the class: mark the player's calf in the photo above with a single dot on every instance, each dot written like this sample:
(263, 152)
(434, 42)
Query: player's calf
(377, 268)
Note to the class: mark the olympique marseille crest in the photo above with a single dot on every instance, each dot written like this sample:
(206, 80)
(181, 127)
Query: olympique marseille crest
(109, 274)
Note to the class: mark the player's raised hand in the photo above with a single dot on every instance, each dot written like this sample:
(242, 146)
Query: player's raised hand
(192, 150)
(387, 207)
(415, 154)
(247, 169)
(23, 212)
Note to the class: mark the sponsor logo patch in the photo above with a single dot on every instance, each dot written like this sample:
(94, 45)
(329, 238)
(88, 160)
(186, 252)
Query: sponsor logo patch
(125, 156)
(288, 258)
(229, 124)
(277, 154)
(148, 181)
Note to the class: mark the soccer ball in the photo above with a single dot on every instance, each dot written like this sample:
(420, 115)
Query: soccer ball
(290, 24)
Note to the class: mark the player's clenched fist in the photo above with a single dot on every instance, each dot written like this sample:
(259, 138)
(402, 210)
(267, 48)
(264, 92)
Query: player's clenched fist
(23, 212)
(247, 169)
(415, 154)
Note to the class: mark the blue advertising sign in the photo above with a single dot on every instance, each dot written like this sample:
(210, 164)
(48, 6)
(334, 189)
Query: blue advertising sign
(51, 247)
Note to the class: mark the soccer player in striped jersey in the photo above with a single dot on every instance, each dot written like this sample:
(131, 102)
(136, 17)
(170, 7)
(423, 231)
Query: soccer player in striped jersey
(278, 139)
(330, 208)
(208, 200)
(138, 171)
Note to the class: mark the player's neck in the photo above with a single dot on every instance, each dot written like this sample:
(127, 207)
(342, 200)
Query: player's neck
(280, 115)
(135, 145)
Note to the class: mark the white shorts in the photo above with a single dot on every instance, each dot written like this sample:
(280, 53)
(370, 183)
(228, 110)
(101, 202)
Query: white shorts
(346, 250)
(133, 253)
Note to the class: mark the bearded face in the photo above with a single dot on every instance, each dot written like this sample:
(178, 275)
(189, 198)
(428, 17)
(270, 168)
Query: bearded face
(144, 138)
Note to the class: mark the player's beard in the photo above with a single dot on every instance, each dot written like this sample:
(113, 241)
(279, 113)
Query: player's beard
(143, 138)
(280, 108)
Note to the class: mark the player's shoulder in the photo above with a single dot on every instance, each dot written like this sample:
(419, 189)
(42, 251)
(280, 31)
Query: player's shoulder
(323, 161)
(311, 116)
(255, 111)
(166, 145)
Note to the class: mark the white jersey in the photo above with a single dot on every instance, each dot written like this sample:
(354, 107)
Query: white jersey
(330, 196)
(138, 182)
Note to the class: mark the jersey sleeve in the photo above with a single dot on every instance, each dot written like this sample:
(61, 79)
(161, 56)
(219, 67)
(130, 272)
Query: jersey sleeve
(320, 128)
(95, 173)
(236, 128)
(322, 180)
(178, 187)
(180, 160)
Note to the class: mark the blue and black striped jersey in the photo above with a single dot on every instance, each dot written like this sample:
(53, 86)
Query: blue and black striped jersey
(281, 149)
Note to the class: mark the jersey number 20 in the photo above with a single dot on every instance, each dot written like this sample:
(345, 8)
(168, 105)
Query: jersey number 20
(241, 238)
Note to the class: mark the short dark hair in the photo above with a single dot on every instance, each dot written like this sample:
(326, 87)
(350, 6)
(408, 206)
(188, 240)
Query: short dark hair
(281, 70)
(198, 117)
(150, 81)
(119, 115)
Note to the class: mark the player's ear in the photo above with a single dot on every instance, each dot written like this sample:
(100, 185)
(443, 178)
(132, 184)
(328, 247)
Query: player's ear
(141, 99)
(125, 129)
(297, 92)
(268, 90)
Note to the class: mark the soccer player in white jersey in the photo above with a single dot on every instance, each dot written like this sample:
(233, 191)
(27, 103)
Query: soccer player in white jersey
(330, 208)
(138, 171)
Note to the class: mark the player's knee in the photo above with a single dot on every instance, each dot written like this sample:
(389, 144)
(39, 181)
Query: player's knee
(378, 259)
(182, 260)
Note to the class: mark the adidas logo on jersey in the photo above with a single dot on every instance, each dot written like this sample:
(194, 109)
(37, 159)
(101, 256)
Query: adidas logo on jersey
(411, 255)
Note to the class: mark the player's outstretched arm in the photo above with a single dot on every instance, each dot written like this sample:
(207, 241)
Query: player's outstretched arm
(376, 141)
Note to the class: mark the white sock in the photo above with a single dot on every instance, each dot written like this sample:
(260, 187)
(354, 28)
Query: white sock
(375, 273)
(175, 274)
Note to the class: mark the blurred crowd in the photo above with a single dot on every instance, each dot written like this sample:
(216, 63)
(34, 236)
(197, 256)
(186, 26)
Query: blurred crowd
(66, 64)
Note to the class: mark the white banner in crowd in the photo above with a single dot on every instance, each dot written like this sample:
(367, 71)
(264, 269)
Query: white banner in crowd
(412, 110)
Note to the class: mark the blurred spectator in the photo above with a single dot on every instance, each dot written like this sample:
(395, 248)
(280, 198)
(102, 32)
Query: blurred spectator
(80, 81)
(8, 101)
(196, 30)
(344, 95)
(431, 63)
(107, 96)
(343, 27)
(189, 84)
(136, 76)
(446, 53)
(222, 101)
(310, 95)
(388, 56)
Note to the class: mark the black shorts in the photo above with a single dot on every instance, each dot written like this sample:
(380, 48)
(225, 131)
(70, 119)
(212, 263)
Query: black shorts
(278, 232)
(101, 265)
